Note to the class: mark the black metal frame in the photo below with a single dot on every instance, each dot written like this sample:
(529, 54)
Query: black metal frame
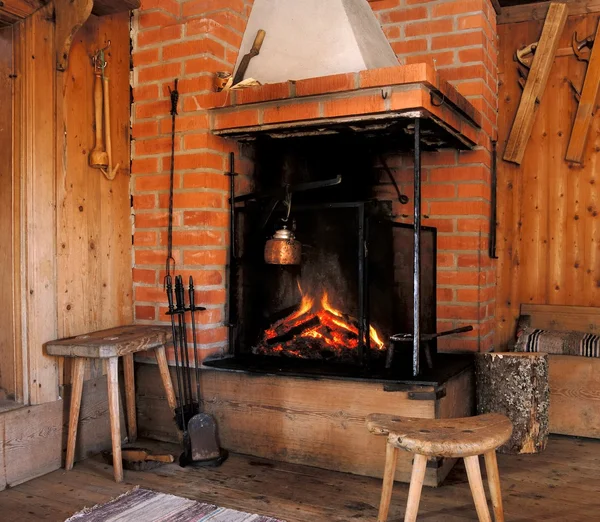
(363, 315)
(417, 250)
(363, 319)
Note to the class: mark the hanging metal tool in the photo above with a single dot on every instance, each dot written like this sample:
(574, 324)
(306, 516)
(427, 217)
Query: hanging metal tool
(185, 360)
(171, 312)
(170, 262)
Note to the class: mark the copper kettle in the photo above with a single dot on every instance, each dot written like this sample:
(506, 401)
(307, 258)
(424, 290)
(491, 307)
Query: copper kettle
(283, 248)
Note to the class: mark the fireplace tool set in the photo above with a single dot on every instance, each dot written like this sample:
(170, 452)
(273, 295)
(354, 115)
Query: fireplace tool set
(200, 440)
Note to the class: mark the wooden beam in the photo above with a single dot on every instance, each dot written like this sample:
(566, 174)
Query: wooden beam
(538, 11)
(70, 16)
(587, 103)
(109, 7)
(536, 83)
(21, 8)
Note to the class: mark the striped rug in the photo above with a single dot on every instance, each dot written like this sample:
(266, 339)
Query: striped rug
(143, 505)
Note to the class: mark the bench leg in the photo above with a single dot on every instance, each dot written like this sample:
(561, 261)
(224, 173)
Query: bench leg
(112, 367)
(76, 389)
(474, 475)
(491, 466)
(163, 367)
(130, 396)
(416, 485)
(391, 459)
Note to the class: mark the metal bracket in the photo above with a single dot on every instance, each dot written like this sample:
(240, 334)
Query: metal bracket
(427, 396)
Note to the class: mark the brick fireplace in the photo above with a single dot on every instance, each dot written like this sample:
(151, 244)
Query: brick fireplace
(194, 39)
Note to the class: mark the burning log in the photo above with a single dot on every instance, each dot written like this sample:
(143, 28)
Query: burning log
(294, 331)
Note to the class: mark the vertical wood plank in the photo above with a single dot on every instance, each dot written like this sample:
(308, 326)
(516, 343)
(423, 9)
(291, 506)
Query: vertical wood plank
(39, 146)
(7, 218)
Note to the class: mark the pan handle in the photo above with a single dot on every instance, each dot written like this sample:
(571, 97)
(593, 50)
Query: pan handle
(462, 329)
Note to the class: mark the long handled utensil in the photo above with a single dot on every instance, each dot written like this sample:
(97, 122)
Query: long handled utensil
(171, 313)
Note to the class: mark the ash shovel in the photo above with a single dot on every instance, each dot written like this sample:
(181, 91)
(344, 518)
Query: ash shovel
(201, 440)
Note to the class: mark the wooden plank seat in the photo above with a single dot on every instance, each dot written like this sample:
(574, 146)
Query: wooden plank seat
(110, 344)
(466, 438)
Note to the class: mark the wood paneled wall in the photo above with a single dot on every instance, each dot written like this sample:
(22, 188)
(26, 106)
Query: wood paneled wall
(548, 222)
(94, 285)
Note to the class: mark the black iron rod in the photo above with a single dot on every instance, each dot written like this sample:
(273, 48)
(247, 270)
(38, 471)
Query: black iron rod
(169, 286)
(232, 308)
(192, 302)
(180, 298)
(361, 282)
(493, 213)
(417, 250)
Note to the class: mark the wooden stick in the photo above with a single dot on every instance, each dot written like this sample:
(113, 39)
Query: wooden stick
(391, 459)
(491, 466)
(128, 368)
(587, 102)
(112, 370)
(76, 389)
(98, 156)
(474, 475)
(416, 485)
(110, 173)
(163, 367)
(536, 83)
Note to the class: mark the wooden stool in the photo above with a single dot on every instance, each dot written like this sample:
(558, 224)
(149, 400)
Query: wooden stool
(467, 437)
(110, 345)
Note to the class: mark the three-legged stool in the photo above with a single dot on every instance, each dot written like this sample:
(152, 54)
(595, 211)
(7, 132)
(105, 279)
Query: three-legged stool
(466, 437)
(111, 344)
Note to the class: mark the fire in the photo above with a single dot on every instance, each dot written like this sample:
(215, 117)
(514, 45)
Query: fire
(309, 330)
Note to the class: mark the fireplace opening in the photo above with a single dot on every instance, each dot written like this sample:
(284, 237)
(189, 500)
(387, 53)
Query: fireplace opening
(334, 312)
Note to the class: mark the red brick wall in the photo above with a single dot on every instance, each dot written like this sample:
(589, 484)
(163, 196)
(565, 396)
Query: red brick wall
(459, 38)
(192, 40)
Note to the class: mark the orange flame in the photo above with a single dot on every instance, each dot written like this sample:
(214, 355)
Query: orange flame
(333, 328)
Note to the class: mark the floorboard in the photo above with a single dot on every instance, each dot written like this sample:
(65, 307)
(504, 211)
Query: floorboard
(561, 484)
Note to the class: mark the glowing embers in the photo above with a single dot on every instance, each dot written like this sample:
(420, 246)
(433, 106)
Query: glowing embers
(316, 330)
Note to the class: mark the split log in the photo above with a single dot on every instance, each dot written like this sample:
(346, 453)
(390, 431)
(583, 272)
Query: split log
(516, 384)
(294, 331)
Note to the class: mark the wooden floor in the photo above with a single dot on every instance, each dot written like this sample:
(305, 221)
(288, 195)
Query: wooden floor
(562, 484)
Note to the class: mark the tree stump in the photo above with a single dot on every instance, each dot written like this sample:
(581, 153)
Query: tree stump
(516, 384)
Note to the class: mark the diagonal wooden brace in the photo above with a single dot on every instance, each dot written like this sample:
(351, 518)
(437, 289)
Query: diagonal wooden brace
(536, 82)
(585, 109)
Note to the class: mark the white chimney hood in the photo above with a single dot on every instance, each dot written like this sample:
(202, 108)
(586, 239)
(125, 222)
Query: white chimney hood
(311, 38)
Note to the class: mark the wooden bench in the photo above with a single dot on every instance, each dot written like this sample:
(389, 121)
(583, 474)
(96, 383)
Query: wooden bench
(109, 345)
(465, 438)
(574, 380)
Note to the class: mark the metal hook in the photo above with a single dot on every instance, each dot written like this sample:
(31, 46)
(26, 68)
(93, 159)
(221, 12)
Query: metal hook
(98, 60)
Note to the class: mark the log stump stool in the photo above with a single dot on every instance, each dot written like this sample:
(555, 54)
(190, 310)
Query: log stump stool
(109, 345)
(516, 385)
(465, 438)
